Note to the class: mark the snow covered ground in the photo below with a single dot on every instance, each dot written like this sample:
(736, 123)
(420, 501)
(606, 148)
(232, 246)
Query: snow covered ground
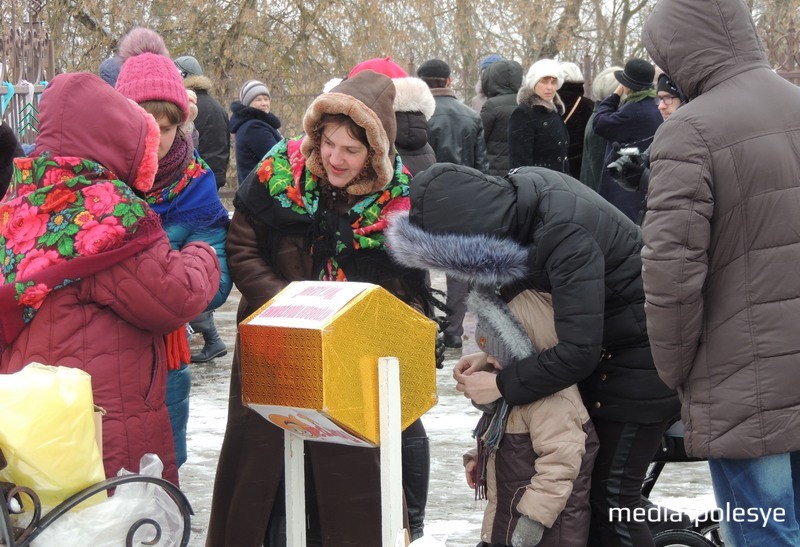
(452, 511)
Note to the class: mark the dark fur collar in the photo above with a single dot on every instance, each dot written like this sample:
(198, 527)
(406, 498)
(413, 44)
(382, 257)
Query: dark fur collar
(526, 96)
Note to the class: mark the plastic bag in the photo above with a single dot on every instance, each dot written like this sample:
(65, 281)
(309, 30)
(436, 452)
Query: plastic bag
(107, 524)
(47, 432)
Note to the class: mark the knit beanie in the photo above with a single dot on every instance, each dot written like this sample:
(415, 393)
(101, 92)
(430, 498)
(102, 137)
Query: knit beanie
(498, 331)
(109, 69)
(541, 69)
(148, 74)
(489, 59)
(384, 66)
(252, 89)
(666, 84)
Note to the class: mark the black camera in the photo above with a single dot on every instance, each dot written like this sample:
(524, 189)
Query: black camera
(632, 169)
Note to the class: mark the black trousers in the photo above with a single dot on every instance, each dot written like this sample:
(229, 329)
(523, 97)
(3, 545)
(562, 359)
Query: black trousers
(626, 450)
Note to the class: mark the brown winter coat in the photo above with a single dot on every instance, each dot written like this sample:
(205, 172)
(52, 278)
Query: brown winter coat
(722, 234)
(266, 253)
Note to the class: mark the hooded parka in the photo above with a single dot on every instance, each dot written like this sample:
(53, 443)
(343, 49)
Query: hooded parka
(501, 81)
(722, 234)
(547, 229)
(110, 324)
(413, 107)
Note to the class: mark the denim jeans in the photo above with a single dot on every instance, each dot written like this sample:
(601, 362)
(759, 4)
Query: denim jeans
(757, 486)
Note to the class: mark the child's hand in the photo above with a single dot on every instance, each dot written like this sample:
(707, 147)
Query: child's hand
(470, 469)
(480, 387)
(469, 364)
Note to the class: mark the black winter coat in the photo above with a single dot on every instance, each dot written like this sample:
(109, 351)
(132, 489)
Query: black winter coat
(594, 153)
(501, 82)
(411, 141)
(212, 125)
(548, 231)
(576, 122)
(537, 135)
(633, 124)
(455, 132)
(256, 132)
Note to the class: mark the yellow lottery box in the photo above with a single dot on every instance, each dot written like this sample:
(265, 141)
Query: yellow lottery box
(310, 359)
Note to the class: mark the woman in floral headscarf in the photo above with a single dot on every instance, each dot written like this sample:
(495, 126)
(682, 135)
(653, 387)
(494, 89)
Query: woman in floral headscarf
(88, 277)
(314, 209)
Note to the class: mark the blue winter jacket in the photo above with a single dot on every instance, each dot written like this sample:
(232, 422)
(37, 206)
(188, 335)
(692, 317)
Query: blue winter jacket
(256, 133)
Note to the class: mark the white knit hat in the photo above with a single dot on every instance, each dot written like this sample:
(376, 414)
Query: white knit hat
(252, 89)
(541, 69)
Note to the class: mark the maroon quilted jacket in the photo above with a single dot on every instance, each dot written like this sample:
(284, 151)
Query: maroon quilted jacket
(112, 326)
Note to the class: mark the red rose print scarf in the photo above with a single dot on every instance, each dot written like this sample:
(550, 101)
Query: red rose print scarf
(63, 219)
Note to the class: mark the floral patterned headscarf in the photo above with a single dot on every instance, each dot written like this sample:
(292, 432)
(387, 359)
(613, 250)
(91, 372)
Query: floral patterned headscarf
(63, 218)
(284, 178)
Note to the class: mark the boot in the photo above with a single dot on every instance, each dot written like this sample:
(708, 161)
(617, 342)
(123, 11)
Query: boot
(416, 474)
(214, 346)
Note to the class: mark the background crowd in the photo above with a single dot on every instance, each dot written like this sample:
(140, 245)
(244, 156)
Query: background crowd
(630, 260)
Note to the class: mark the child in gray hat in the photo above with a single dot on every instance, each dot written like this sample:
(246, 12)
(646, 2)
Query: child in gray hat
(533, 462)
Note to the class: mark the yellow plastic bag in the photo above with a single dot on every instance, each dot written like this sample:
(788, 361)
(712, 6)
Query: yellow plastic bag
(47, 432)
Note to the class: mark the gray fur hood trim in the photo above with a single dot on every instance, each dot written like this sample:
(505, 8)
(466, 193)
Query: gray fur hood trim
(482, 259)
(494, 313)
(526, 95)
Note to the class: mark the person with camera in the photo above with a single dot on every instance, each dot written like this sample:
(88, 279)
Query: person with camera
(632, 169)
(627, 118)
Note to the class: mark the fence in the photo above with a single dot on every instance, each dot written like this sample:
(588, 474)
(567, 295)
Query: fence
(27, 59)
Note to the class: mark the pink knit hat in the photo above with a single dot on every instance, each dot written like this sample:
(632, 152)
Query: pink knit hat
(148, 73)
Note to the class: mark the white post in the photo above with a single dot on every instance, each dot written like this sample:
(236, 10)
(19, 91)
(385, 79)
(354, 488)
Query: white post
(391, 463)
(294, 471)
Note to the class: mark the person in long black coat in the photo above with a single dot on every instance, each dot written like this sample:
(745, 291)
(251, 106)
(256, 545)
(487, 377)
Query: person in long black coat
(537, 135)
(547, 230)
(577, 111)
(501, 82)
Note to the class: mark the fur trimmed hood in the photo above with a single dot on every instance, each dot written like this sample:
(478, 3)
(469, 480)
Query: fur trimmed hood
(367, 98)
(413, 95)
(527, 96)
(475, 258)
(197, 82)
(499, 332)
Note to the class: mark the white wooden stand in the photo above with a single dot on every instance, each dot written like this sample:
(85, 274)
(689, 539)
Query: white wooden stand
(391, 465)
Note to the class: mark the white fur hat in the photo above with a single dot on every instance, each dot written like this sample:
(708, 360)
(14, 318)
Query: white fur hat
(413, 95)
(541, 69)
